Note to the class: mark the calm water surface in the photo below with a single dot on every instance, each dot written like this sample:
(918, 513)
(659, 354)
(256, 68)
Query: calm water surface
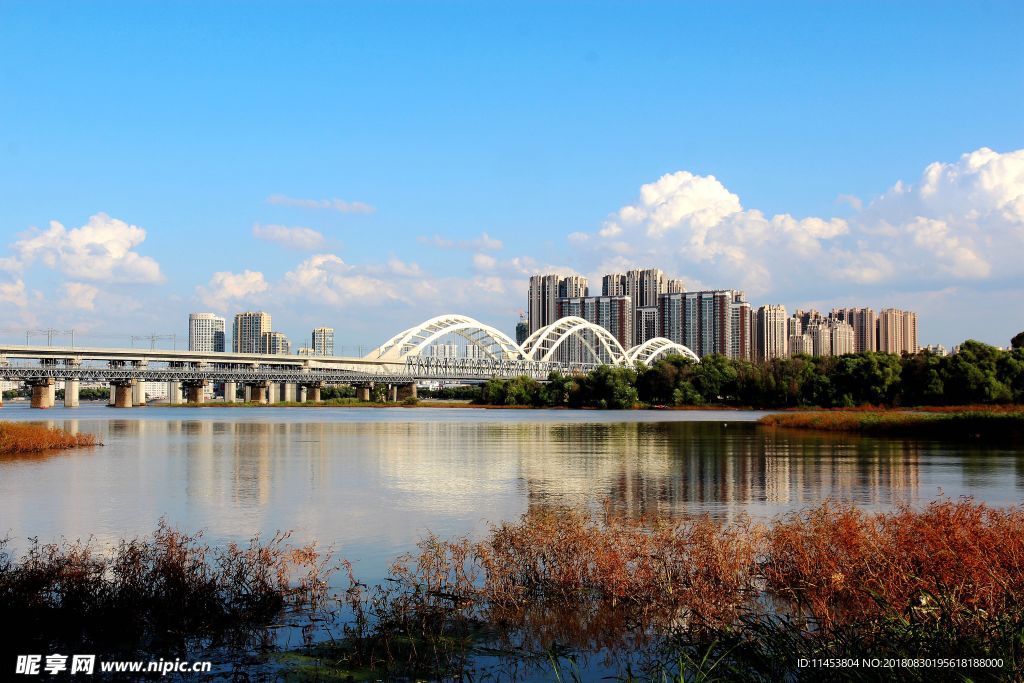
(370, 482)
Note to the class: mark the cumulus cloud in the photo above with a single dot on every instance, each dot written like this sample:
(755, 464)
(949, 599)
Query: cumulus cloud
(962, 220)
(14, 293)
(482, 243)
(79, 295)
(332, 281)
(339, 205)
(102, 250)
(225, 288)
(484, 262)
(305, 239)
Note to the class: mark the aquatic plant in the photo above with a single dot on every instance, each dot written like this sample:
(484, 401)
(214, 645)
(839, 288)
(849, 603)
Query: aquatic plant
(26, 437)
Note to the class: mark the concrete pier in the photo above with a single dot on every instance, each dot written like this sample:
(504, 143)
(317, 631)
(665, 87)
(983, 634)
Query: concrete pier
(257, 393)
(196, 392)
(289, 392)
(138, 393)
(363, 393)
(272, 392)
(314, 394)
(42, 394)
(123, 395)
(174, 393)
(303, 391)
(113, 394)
(392, 395)
(230, 392)
(406, 391)
(71, 393)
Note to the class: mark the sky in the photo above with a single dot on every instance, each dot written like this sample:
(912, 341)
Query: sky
(367, 166)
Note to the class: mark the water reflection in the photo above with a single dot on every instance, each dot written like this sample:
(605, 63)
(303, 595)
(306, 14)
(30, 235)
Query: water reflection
(371, 487)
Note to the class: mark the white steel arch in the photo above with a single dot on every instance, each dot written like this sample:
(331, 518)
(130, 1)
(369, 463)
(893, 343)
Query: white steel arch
(655, 348)
(495, 344)
(598, 342)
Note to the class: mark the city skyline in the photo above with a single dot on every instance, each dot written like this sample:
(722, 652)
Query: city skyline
(221, 177)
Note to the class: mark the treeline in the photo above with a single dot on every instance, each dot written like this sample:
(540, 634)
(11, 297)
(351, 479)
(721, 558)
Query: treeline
(977, 374)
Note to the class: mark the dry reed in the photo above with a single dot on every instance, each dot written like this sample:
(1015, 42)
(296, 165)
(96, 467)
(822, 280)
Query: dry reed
(21, 437)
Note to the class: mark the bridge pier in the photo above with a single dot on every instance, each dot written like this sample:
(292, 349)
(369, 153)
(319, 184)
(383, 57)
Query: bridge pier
(406, 391)
(363, 393)
(195, 392)
(42, 393)
(230, 392)
(71, 393)
(138, 393)
(302, 393)
(174, 393)
(313, 394)
(273, 392)
(257, 393)
(289, 392)
(392, 393)
(123, 394)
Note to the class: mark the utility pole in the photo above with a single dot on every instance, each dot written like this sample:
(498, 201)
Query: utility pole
(154, 338)
(50, 334)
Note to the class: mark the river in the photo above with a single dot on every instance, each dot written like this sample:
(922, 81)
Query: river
(370, 482)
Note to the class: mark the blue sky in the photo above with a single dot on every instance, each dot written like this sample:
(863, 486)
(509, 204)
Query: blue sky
(533, 124)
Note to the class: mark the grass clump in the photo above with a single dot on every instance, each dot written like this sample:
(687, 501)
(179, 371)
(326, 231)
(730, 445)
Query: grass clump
(23, 437)
(996, 423)
(155, 592)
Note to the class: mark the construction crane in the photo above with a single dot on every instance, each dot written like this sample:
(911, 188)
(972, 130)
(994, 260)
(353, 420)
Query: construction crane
(50, 334)
(154, 338)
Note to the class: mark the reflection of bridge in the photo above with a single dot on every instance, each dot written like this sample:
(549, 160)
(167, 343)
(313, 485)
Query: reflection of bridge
(568, 345)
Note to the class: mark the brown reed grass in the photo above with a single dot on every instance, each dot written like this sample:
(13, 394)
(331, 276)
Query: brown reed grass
(22, 437)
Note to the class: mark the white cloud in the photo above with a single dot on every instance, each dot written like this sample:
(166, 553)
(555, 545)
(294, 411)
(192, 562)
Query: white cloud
(327, 278)
(79, 295)
(482, 243)
(484, 262)
(14, 293)
(962, 221)
(225, 288)
(305, 239)
(339, 205)
(102, 250)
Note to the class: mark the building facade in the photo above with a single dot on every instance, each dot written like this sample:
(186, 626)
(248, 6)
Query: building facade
(701, 321)
(323, 341)
(545, 290)
(613, 313)
(772, 333)
(206, 333)
(275, 343)
(247, 331)
(897, 331)
(864, 321)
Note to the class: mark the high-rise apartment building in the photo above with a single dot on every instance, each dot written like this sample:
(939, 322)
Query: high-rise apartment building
(275, 343)
(613, 313)
(522, 330)
(645, 324)
(821, 338)
(614, 284)
(844, 337)
(545, 290)
(644, 286)
(323, 341)
(205, 332)
(674, 286)
(864, 321)
(247, 332)
(701, 321)
(794, 327)
(740, 333)
(772, 333)
(800, 344)
(897, 331)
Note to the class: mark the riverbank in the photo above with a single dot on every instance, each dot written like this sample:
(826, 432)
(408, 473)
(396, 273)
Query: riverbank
(973, 422)
(658, 598)
(21, 437)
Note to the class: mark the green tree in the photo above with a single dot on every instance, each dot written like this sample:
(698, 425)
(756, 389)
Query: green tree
(1018, 341)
